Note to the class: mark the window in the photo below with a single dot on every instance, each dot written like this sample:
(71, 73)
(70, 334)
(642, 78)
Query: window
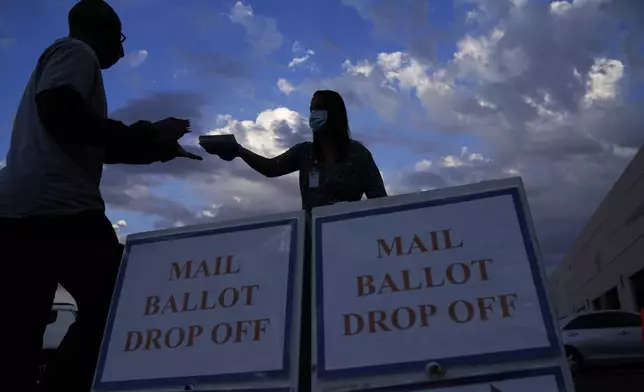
(588, 321)
(612, 299)
(637, 283)
(605, 320)
(625, 320)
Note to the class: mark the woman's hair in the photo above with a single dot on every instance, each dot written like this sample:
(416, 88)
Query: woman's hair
(337, 125)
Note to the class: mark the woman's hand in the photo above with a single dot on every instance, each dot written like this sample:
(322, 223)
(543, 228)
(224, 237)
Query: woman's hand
(225, 149)
(228, 154)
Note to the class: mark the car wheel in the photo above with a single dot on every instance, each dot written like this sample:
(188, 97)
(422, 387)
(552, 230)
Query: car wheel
(575, 360)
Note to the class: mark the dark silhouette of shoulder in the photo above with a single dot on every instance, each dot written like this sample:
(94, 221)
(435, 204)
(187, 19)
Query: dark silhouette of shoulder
(359, 148)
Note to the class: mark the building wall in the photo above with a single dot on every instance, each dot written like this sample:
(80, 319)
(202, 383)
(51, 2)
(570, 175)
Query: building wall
(609, 251)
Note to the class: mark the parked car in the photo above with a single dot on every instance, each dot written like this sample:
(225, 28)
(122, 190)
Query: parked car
(602, 337)
(61, 317)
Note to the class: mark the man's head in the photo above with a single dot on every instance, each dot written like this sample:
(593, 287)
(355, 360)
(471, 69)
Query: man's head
(98, 25)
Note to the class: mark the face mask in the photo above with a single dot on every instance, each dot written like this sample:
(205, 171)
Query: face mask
(317, 120)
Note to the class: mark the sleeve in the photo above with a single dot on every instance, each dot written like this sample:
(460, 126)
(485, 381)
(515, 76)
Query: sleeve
(70, 65)
(285, 163)
(67, 73)
(139, 152)
(289, 161)
(374, 186)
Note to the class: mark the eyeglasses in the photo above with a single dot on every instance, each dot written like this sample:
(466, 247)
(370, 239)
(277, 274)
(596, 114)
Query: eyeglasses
(123, 37)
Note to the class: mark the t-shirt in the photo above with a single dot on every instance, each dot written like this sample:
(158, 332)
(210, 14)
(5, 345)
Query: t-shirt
(328, 183)
(44, 177)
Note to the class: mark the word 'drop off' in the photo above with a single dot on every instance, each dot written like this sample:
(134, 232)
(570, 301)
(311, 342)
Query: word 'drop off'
(176, 337)
(418, 316)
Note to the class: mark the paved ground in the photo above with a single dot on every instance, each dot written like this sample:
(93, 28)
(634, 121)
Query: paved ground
(611, 380)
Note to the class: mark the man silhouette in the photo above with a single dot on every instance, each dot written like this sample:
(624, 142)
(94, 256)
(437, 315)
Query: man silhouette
(52, 216)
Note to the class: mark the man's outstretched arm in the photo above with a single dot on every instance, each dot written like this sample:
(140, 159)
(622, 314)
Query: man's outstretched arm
(63, 92)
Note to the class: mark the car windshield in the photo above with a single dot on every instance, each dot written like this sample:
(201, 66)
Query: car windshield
(604, 320)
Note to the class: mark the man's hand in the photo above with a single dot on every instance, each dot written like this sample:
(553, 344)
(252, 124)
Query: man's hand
(175, 150)
(170, 129)
(148, 142)
(167, 132)
(181, 152)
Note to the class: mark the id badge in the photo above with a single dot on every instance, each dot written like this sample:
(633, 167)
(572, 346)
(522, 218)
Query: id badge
(314, 179)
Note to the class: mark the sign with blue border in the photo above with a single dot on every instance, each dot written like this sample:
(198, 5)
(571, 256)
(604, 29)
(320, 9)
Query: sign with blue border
(407, 280)
(206, 306)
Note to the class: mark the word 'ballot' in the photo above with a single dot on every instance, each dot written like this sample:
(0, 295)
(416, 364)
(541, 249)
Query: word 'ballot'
(424, 283)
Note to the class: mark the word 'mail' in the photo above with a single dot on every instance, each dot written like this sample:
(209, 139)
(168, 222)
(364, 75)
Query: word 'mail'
(434, 241)
(190, 269)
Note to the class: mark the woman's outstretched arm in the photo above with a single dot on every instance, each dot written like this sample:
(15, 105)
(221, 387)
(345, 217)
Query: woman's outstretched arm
(286, 163)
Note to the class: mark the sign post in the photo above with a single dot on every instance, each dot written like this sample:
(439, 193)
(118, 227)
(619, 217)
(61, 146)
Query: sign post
(207, 308)
(445, 284)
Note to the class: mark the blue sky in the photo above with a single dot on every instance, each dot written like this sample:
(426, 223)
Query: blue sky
(442, 92)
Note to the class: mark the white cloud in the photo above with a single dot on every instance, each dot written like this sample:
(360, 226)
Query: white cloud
(208, 214)
(119, 224)
(533, 90)
(465, 158)
(136, 58)
(269, 134)
(560, 7)
(422, 165)
(262, 31)
(542, 94)
(302, 57)
(211, 212)
(285, 86)
(603, 80)
(361, 68)
(482, 58)
(624, 152)
(119, 227)
(301, 60)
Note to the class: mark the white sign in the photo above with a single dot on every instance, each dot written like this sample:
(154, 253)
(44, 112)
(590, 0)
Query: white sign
(454, 280)
(202, 306)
